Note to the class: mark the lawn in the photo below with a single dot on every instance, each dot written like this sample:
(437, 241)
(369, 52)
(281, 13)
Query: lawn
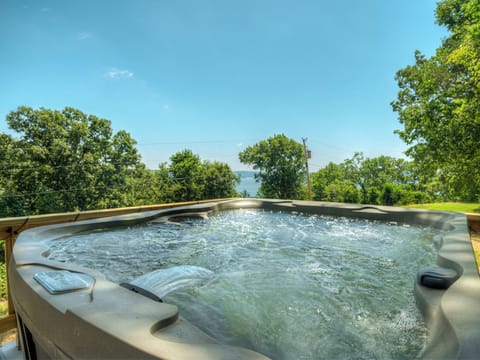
(449, 206)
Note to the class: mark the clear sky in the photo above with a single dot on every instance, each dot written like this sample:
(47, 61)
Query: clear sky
(216, 76)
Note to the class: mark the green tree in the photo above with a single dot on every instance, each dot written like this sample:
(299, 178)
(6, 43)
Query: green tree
(142, 188)
(11, 204)
(439, 103)
(280, 163)
(188, 174)
(220, 181)
(380, 180)
(67, 160)
(378, 171)
(189, 178)
(342, 191)
(63, 161)
(164, 183)
(331, 174)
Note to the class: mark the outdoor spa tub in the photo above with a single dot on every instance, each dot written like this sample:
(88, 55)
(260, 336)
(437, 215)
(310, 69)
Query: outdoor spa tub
(313, 299)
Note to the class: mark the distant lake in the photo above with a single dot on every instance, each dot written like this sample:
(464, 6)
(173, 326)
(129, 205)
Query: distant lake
(247, 182)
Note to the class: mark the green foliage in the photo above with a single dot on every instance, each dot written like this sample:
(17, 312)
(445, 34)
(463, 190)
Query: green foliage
(63, 161)
(390, 194)
(280, 163)
(439, 104)
(450, 206)
(140, 188)
(188, 174)
(187, 178)
(68, 161)
(323, 177)
(3, 281)
(342, 191)
(379, 181)
(164, 182)
(220, 181)
(3, 308)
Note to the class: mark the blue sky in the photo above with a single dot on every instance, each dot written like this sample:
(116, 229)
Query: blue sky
(216, 76)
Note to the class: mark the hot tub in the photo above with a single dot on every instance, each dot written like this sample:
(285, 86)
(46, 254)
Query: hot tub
(101, 319)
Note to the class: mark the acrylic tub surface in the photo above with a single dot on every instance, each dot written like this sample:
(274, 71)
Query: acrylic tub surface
(108, 321)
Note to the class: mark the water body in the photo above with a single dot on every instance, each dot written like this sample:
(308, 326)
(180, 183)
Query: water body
(290, 286)
(247, 183)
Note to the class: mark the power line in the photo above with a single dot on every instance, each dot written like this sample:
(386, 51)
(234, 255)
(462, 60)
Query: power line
(81, 166)
(233, 141)
(75, 165)
(169, 179)
(185, 142)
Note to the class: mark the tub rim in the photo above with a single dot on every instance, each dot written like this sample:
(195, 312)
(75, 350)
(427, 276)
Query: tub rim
(452, 326)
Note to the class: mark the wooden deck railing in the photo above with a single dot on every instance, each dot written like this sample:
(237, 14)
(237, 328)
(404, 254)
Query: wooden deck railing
(11, 227)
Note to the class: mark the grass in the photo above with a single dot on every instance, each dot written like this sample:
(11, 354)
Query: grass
(449, 206)
(3, 308)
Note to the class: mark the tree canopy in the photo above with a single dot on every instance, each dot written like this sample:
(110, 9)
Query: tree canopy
(439, 103)
(280, 162)
(382, 180)
(188, 178)
(65, 160)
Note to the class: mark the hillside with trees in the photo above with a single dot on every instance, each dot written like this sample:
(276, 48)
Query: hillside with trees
(66, 160)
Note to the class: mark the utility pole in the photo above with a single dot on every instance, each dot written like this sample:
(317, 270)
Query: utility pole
(307, 154)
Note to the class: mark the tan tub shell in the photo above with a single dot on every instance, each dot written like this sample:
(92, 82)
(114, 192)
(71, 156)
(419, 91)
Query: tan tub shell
(109, 321)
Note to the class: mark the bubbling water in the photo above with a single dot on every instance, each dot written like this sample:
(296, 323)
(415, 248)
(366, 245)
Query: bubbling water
(164, 281)
(291, 286)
